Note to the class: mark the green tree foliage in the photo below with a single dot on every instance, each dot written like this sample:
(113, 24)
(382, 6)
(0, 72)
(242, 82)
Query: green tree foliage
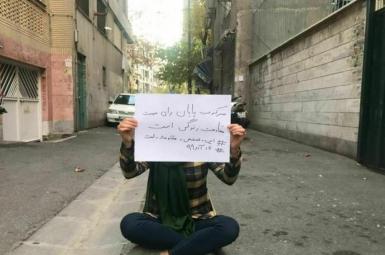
(176, 67)
(198, 29)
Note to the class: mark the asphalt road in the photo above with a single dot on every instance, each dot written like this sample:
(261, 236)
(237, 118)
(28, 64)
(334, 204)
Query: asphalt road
(37, 180)
(293, 199)
(290, 199)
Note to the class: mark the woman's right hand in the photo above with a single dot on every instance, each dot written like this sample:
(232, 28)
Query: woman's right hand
(126, 129)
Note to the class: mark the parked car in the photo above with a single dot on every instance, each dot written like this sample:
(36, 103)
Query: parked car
(122, 107)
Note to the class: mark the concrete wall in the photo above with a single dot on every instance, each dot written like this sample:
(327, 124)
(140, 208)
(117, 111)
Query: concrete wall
(260, 26)
(224, 49)
(309, 88)
(263, 25)
(285, 19)
(99, 51)
(243, 46)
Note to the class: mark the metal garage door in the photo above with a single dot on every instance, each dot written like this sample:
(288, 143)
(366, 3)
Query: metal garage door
(20, 91)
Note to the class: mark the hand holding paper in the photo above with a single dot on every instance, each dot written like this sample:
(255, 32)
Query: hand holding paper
(126, 129)
(237, 133)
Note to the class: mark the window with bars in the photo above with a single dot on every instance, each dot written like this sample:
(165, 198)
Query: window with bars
(18, 82)
(338, 4)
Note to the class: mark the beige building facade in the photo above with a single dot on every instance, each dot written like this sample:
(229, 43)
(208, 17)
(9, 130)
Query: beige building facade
(143, 67)
(102, 35)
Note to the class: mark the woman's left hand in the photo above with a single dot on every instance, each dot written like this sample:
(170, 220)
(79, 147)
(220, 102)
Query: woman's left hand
(237, 134)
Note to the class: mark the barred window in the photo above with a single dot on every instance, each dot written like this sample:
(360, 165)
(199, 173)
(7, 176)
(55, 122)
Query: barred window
(18, 82)
(338, 4)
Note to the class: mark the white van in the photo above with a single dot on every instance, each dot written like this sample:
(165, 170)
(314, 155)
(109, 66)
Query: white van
(122, 107)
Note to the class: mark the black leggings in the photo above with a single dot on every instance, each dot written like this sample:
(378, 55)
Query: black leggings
(210, 234)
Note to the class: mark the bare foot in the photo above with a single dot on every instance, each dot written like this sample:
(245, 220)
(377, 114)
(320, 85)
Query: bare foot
(164, 253)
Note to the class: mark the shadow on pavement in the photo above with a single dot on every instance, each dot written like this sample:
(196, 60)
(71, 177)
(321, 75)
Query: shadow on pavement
(132, 249)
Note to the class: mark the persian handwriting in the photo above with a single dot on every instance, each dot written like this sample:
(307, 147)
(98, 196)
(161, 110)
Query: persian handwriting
(199, 147)
(150, 113)
(187, 140)
(188, 125)
(221, 143)
(158, 126)
(218, 129)
(161, 137)
(219, 150)
(189, 111)
(182, 128)
(166, 113)
(179, 114)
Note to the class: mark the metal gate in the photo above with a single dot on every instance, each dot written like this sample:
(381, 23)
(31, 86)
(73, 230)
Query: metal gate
(371, 144)
(19, 87)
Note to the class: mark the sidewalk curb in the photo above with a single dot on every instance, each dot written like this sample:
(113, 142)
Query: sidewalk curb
(90, 223)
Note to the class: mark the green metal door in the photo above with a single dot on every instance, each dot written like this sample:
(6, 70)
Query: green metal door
(81, 93)
(371, 147)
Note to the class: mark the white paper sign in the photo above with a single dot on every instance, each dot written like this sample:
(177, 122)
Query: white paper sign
(182, 128)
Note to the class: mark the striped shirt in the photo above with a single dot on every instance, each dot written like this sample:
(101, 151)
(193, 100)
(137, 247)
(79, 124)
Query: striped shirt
(196, 179)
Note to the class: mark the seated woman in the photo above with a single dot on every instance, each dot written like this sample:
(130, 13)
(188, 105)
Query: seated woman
(178, 216)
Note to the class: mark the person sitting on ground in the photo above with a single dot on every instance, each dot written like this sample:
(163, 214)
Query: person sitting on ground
(178, 217)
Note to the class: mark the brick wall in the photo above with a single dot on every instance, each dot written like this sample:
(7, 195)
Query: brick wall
(309, 88)
(29, 36)
(62, 65)
(24, 36)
